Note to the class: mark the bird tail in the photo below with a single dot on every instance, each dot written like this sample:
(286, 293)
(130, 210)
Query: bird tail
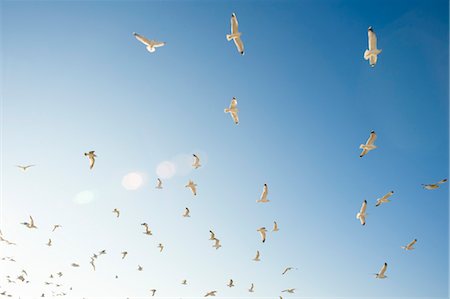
(229, 37)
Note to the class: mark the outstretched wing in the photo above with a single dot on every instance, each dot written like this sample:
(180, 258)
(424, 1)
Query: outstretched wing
(372, 138)
(234, 24)
(239, 45)
(142, 39)
(372, 39)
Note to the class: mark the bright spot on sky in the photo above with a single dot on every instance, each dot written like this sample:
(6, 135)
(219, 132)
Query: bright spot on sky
(165, 170)
(84, 197)
(132, 181)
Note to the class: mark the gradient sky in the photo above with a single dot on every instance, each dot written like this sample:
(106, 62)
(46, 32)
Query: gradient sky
(75, 79)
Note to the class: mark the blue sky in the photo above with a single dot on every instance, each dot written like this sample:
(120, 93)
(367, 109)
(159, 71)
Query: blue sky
(75, 79)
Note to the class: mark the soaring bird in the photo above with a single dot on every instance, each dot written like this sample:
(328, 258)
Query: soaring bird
(186, 212)
(369, 144)
(264, 193)
(196, 163)
(384, 199)
(92, 262)
(410, 246)
(184, 282)
(372, 53)
(262, 231)
(251, 290)
(140, 268)
(91, 156)
(159, 184)
(153, 291)
(75, 265)
(434, 186)
(212, 235)
(25, 167)
(56, 226)
(275, 227)
(233, 110)
(217, 244)
(124, 254)
(362, 213)
(289, 291)
(117, 212)
(235, 34)
(151, 45)
(211, 293)
(29, 224)
(230, 283)
(257, 259)
(380, 274)
(287, 269)
(147, 229)
(49, 243)
(192, 186)
(161, 247)
(102, 252)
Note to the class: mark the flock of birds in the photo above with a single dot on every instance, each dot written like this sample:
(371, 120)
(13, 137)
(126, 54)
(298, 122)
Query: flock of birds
(371, 54)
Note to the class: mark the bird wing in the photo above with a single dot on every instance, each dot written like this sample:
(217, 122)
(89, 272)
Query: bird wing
(234, 24)
(387, 196)
(157, 44)
(442, 181)
(362, 219)
(142, 39)
(363, 207)
(412, 243)
(383, 269)
(91, 162)
(213, 236)
(372, 138)
(372, 40)
(235, 117)
(257, 255)
(239, 45)
(263, 235)
(31, 221)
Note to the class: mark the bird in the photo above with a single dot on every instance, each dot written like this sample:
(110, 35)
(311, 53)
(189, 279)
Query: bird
(117, 212)
(30, 224)
(217, 244)
(434, 186)
(233, 110)
(230, 283)
(91, 156)
(362, 213)
(196, 163)
(140, 268)
(161, 247)
(124, 254)
(251, 290)
(151, 45)
(235, 34)
(287, 269)
(372, 53)
(410, 246)
(186, 212)
(75, 265)
(381, 274)
(158, 184)
(102, 252)
(56, 226)
(264, 193)
(211, 293)
(184, 282)
(49, 243)
(60, 274)
(384, 199)
(262, 231)
(153, 291)
(257, 259)
(25, 167)
(369, 144)
(212, 235)
(192, 186)
(147, 230)
(275, 227)
(92, 262)
(291, 291)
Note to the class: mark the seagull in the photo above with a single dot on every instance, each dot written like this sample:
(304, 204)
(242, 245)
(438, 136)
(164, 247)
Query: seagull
(159, 184)
(56, 226)
(233, 110)
(186, 213)
(251, 288)
(372, 53)
(153, 292)
(264, 193)
(140, 268)
(102, 252)
(196, 163)
(262, 231)
(59, 274)
(91, 156)
(217, 244)
(161, 247)
(25, 167)
(184, 282)
(230, 284)
(211, 293)
(235, 34)
(362, 213)
(275, 227)
(151, 44)
(369, 144)
(92, 263)
(212, 235)
(257, 259)
(384, 199)
(147, 230)
(380, 274)
(434, 186)
(287, 269)
(124, 254)
(49, 243)
(117, 212)
(75, 265)
(410, 246)
(30, 224)
(291, 291)
(192, 186)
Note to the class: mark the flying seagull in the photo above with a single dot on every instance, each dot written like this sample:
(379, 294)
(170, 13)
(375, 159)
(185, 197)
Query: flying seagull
(235, 34)
(216, 243)
(186, 212)
(117, 212)
(257, 259)
(289, 291)
(230, 283)
(369, 144)
(49, 243)
(196, 163)
(75, 265)
(211, 293)
(161, 247)
(233, 110)
(192, 186)
(159, 184)
(153, 291)
(372, 53)
(362, 213)
(124, 254)
(184, 282)
(262, 231)
(251, 290)
(56, 226)
(147, 229)
(410, 246)
(275, 227)
(29, 224)
(380, 274)
(287, 269)
(212, 235)
(151, 44)
(434, 186)
(264, 193)
(91, 156)
(92, 262)
(24, 167)
(384, 199)
(140, 268)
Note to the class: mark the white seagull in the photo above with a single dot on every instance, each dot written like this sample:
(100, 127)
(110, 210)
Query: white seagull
(192, 186)
(159, 184)
(287, 269)
(230, 284)
(289, 291)
(49, 243)
(233, 110)
(151, 44)
(235, 34)
(91, 156)
(25, 167)
(380, 274)
(434, 186)
(257, 259)
(410, 246)
(262, 231)
(117, 212)
(30, 224)
(264, 193)
(275, 227)
(372, 53)
(369, 144)
(384, 199)
(211, 293)
(186, 213)
(196, 163)
(362, 213)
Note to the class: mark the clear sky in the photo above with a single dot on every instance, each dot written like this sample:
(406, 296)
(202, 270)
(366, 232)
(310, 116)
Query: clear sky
(74, 79)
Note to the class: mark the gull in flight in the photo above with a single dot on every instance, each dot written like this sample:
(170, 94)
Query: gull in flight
(216, 243)
(117, 212)
(212, 235)
(230, 284)
(262, 231)
(184, 282)
(24, 167)
(291, 291)
(251, 288)
(153, 291)
(257, 259)
(233, 110)
(92, 262)
(124, 254)
(384, 199)
(275, 227)
(372, 53)
(161, 247)
(287, 269)
(235, 34)
(147, 230)
(369, 144)
(434, 186)
(159, 184)
(196, 163)
(140, 268)
(56, 226)
(211, 293)
(192, 186)
(30, 224)
(380, 274)
(362, 213)
(264, 193)
(151, 44)
(410, 246)
(2, 239)
(75, 265)
(102, 252)
(186, 213)
(91, 156)
(49, 243)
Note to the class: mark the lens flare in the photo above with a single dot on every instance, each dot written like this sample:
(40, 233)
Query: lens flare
(132, 181)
